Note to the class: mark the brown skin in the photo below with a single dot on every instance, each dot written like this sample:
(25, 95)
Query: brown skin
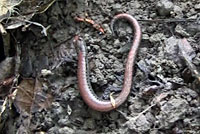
(86, 91)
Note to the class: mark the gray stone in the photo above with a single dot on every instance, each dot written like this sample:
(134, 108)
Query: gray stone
(64, 121)
(171, 49)
(117, 6)
(178, 12)
(53, 130)
(197, 6)
(142, 124)
(139, 125)
(114, 115)
(89, 124)
(172, 111)
(164, 7)
(145, 37)
(180, 30)
(156, 37)
(95, 114)
(66, 130)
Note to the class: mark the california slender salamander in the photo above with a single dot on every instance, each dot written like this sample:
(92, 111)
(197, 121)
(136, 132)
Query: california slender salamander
(86, 91)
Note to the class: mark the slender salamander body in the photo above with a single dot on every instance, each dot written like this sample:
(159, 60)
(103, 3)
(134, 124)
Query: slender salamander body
(86, 91)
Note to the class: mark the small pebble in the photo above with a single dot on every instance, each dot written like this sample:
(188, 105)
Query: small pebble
(164, 7)
(89, 124)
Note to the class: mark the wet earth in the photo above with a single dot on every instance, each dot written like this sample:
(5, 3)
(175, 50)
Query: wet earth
(164, 97)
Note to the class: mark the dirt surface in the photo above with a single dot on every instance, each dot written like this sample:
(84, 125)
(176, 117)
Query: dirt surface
(164, 98)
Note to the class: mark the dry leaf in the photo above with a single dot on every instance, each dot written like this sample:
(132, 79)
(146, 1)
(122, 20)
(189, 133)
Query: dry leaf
(30, 97)
(25, 10)
(25, 94)
(42, 100)
(5, 86)
(7, 7)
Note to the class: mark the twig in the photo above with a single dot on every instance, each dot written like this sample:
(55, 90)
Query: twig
(44, 30)
(46, 6)
(156, 101)
(144, 111)
(168, 20)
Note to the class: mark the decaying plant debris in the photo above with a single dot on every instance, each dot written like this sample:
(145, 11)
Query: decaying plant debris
(38, 63)
(19, 12)
(27, 97)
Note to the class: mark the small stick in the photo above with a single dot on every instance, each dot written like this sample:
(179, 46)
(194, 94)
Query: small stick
(44, 30)
(168, 20)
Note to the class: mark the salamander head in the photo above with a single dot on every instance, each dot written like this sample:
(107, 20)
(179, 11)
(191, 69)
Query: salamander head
(79, 44)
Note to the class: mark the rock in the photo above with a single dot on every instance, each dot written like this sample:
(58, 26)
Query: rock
(48, 122)
(77, 131)
(171, 49)
(64, 121)
(136, 105)
(111, 1)
(107, 29)
(123, 131)
(99, 64)
(89, 124)
(117, 6)
(135, 4)
(145, 37)
(70, 94)
(53, 130)
(193, 28)
(114, 115)
(180, 30)
(113, 126)
(172, 111)
(164, 7)
(155, 131)
(178, 12)
(184, 92)
(60, 35)
(118, 66)
(57, 110)
(66, 130)
(197, 6)
(156, 37)
(95, 114)
(140, 125)
(150, 117)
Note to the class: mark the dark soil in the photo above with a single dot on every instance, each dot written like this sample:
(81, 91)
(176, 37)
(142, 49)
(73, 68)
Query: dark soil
(160, 72)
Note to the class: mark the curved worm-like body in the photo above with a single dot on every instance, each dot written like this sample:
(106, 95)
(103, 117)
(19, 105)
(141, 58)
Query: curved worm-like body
(86, 91)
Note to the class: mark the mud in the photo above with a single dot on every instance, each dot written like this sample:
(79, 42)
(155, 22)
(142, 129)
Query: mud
(163, 98)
